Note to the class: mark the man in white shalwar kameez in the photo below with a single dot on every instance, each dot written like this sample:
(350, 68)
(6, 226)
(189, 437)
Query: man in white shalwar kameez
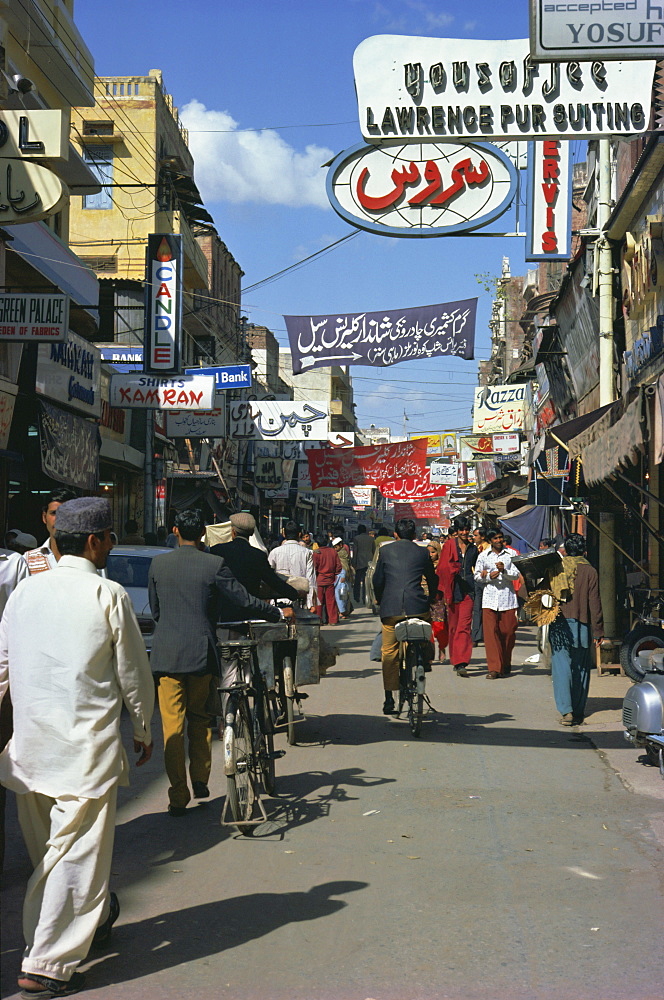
(71, 649)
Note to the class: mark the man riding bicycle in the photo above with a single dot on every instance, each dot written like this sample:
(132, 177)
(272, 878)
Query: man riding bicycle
(397, 583)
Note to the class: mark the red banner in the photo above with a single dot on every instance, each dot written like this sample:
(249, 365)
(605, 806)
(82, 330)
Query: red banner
(413, 488)
(370, 465)
(429, 509)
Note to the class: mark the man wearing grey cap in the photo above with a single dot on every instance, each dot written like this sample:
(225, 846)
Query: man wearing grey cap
(250, 565)
(71, 648)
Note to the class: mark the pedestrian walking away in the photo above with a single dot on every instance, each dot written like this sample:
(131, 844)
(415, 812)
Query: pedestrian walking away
(577, 628)
(397, 583)
(189, 591)
(328, 567)
(495, 574)
(292, 559)
(249, 565)
(456, 580)
(344, 582)
(71, 648)
(362, 552)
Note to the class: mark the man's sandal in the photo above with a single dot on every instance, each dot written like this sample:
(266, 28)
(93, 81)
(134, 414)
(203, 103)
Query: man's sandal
(37, 987)
(103, 932)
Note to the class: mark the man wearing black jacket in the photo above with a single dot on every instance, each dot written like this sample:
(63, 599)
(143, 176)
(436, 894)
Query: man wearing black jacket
(250, 565)
(397, 583)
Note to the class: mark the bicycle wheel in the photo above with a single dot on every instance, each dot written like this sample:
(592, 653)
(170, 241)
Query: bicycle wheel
(264, 743)
(287, 703)
(238, 749)
(416, 700)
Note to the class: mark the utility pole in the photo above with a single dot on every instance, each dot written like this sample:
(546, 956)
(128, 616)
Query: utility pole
(607, 557)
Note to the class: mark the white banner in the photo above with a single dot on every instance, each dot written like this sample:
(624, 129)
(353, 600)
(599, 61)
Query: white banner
(284, 420)
(157, 392)
(445, 473)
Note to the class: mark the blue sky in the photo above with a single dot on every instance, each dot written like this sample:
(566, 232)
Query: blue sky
(266, 88)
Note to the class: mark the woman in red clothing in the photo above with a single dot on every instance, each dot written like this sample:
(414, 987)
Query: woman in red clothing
(455, 573)
(328, 567)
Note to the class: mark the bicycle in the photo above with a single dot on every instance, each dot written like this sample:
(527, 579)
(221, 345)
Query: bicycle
(249, 753)
(414, 637)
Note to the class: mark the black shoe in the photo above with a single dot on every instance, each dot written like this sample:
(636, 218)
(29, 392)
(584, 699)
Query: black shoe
(201, 790)
(461, 671)
(388, 704)
(177, 810)
(103, 932)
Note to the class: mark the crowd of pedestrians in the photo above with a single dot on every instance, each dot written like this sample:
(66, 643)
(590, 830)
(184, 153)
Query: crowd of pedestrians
(72, 653)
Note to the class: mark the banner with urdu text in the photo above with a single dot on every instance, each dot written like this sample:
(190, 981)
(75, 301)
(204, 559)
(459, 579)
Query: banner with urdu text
(369, 465)
(417, 487)
(382, 338)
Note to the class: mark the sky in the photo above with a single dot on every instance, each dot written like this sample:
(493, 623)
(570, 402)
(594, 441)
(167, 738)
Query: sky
(266, 89)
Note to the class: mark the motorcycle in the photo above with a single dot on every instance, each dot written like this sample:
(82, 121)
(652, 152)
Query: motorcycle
(642, 659)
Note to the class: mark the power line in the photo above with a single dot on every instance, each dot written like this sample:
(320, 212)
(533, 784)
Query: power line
(300, 263)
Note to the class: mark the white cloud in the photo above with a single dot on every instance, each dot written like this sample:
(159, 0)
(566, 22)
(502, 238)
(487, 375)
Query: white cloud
(252, 166)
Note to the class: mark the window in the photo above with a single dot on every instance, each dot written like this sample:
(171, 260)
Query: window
(100, 161)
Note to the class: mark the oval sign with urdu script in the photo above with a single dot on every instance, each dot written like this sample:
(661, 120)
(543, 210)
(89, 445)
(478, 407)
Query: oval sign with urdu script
(421, 189)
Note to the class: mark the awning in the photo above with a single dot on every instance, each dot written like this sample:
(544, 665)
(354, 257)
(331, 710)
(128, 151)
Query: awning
(43, 251)
(609, 443)
(527, 526)
(564, 432)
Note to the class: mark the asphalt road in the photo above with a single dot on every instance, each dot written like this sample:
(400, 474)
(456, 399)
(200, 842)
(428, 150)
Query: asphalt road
(498, 856)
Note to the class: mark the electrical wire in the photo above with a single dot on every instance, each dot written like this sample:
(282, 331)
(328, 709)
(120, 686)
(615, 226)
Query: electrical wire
(300, 263)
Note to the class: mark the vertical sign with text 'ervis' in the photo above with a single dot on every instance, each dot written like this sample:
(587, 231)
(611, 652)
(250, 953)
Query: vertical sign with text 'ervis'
(549, 201)
(163, 304)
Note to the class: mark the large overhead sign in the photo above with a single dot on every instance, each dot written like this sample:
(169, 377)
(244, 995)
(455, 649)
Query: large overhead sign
(28, 192)
(369, 465)
(422, 89)
(606, 29)
(382, 338)
(163, 304)
(288, 420)
(399, 189)
(25, 316)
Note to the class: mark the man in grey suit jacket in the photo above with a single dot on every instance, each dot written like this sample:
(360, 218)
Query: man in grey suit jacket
(397, 583)
(188, 590)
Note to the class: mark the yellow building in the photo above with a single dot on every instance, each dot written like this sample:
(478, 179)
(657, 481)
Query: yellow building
(134, 139)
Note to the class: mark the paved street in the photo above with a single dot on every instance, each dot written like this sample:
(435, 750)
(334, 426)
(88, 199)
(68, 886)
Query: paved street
(497, 856)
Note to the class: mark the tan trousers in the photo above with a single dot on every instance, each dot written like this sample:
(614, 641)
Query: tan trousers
(184, 697)
(70, 843)
(390, 650)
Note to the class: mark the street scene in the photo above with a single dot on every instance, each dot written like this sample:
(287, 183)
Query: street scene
(331, 387)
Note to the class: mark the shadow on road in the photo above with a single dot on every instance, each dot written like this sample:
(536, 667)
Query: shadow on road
(187, 935)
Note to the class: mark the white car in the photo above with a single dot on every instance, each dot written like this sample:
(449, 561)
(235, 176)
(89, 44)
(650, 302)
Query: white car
(130, 565)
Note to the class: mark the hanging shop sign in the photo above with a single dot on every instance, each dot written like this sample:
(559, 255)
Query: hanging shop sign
(123, 358)
(549, 200)
(605, 29)
(341, 439)
(447, 473)
(163, 304)
(268, 474)
(506, 444)
(360, 496)
(429, 190)
(422, 510)
(382, 338)
(227, 376)
(146, 392)
(70, 373)
(285, 420)
(196, 423)
(34, 135)
(501, 408)
(472, 446)
(423, 89)
(369, 465)
(28, 192)
(69, 447)
(38, 318)
(486, 473)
